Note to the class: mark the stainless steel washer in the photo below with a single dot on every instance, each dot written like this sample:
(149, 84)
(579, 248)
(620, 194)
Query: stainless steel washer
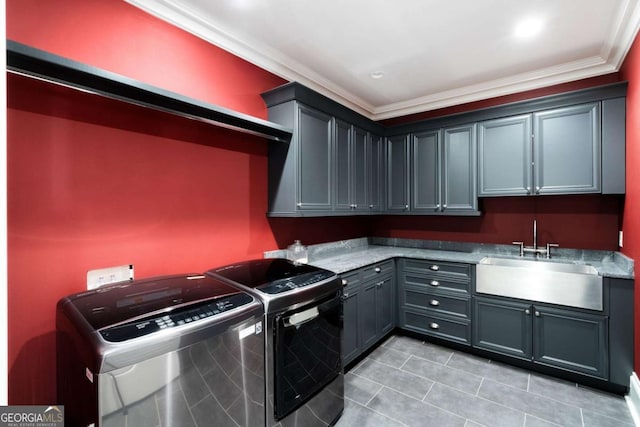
(183, 350)
(303, 318)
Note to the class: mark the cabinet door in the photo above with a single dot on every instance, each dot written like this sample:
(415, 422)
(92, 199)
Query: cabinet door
(459, 191)
(504, 157)
(567, 150)
(359, 144)
(398, 173)
(425, 172)
(351, 313)
(385, 306)
(368, 322)
(343, 162)
(314, 160)
(571, 340)
(375, 172)
(502, 326)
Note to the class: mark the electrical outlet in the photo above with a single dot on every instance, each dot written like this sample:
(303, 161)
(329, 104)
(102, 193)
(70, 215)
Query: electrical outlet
(620, 238)
(105, 276)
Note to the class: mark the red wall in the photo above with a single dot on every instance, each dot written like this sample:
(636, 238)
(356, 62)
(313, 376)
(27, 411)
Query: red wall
(95, 183)
(585, 222)
(630, 71)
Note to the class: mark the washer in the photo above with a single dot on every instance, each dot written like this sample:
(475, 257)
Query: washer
(303, 340)
(182, 350)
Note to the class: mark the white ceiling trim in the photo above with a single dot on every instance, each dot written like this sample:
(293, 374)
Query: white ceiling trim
(612, 56)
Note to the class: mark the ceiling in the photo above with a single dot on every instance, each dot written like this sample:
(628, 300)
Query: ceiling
(427, 54)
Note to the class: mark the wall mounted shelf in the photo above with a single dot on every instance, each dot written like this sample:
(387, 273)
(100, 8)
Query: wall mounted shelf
(36, 63)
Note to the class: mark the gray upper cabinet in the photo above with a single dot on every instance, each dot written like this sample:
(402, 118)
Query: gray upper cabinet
(375, 172)
(443, 165)
(398, 173)
(459, 193)
(505, 156)
(314, 167)
(549, 152)
(357, 156)
(566, 151)
(426, 171)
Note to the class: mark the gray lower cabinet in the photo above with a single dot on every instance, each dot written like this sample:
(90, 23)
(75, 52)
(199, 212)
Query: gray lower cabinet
(569, 339)
(434, 299)
(369, 308)
(548, 152)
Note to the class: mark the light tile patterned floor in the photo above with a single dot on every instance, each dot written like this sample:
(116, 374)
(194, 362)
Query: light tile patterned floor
(406, 382)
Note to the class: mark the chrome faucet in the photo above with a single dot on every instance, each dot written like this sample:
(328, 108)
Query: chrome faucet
(534, 249)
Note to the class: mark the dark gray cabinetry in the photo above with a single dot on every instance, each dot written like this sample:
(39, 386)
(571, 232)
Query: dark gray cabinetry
(375, 172)
(358, 160)
(398, 174)
(566, 150)
(504, 156)
(301, 174)
(434, 299)
(574, 340)
(458, 176)
(549, 152)
(369, 307)
(433, 172)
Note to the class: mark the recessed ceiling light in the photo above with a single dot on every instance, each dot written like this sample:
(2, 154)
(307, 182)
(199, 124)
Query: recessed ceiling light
(528, 28)
(376, 75)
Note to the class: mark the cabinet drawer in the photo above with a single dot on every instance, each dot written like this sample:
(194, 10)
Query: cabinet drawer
(449, 269)
(350, 280)
(437, 302)
(441, 327)
(376, 270)
(436, 283)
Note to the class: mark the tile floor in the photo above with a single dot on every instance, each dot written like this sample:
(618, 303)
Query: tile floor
(406, 382)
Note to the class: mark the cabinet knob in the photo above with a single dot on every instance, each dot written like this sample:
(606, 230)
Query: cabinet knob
(528, 190)
(299, 205)
(345, 282)
(434, 302)
(444, 206)
(527, 311)
(434, 283)
(370, 206)
(438, 207)
(537, 190)
(406, 207)
(377, 270)
(345, 295)
(434, 325)
(379, 284)
(434, 268)
(537, 313)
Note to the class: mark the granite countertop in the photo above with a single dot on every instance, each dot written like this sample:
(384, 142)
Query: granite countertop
(348, 255)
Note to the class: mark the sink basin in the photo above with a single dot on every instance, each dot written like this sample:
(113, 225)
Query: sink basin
(574, 285)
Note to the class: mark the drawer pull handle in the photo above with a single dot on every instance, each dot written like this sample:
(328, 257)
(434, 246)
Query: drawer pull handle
(345, 282)
(434, 268)
(434, 283)
(377, 270)
(434, 325)
(434, 302)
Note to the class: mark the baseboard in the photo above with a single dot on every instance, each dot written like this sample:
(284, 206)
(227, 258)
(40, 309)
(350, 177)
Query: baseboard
(633, 398)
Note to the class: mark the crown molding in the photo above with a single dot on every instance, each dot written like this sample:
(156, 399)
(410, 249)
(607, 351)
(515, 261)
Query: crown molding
(611, 57)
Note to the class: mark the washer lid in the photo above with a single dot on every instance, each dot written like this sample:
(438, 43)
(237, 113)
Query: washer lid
(273, 276)
(120, 303)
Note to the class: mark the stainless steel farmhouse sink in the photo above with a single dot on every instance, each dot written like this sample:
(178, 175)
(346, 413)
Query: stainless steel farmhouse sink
(575, 285)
